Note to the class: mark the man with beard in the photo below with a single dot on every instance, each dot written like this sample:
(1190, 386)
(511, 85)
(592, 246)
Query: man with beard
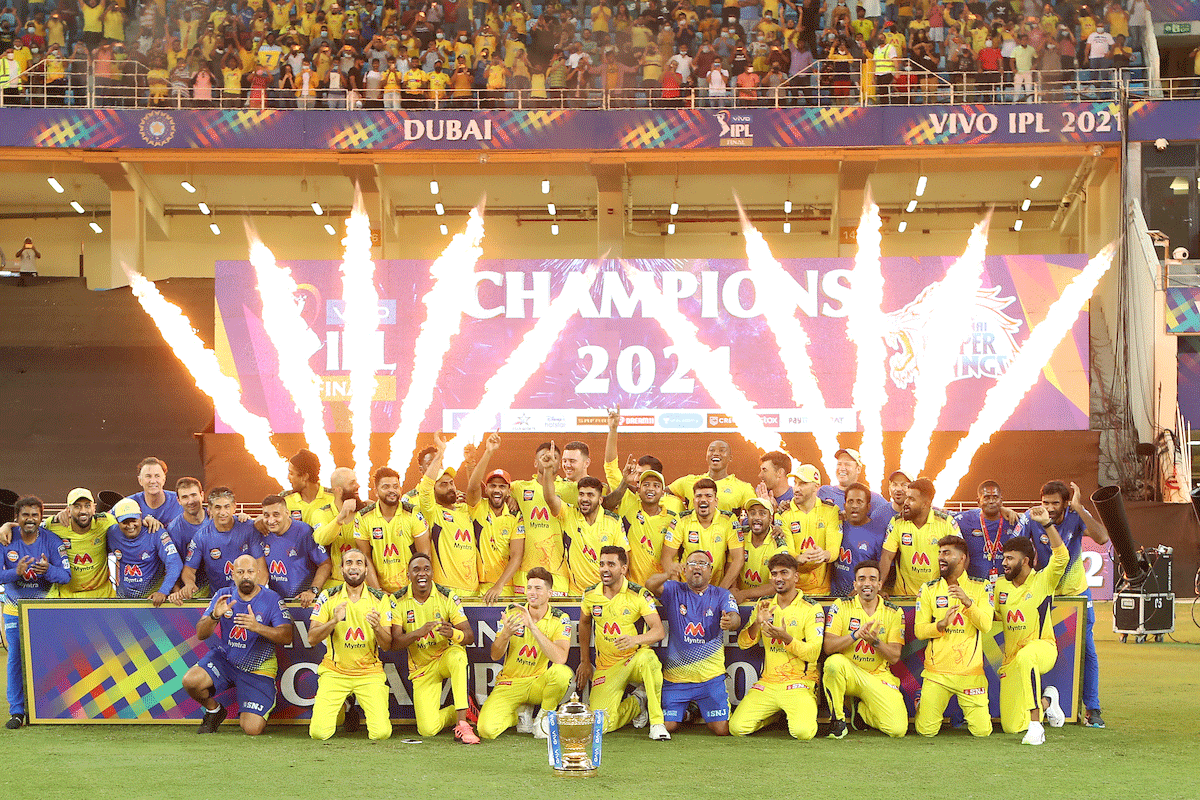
(392, 532)
(644, 515)
(249, 620)
(308, 501)
(86, 539)
(731, 492)
(357, 621)
(985, 530)
(337, 534)
(220, 541)
(862, 539)
(587, 527)
(627, 485)
(706, 529)
(912, 539)
(789, 628)
(1023, 597)
(954, 613)
(499, 532)
(815, 527)
(184, 527)
(297, 567)
(897, 483)
(148, 565)
(697, 614)
(576, 459)
(451, 532)
(849, 471)
(543, 530)
(611, 610)
(153, 500)
(773, 469)
(764, 540)
(429, 621)
(863, 638)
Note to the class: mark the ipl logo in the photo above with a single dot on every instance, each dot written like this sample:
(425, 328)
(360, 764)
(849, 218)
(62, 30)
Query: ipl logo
(735, 129)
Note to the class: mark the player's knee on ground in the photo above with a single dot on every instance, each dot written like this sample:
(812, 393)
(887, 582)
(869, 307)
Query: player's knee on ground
(895, 729)
(489, 728)
(801, 727)
(380, 733)
(320, 730)
(431, 725)
(928, 723)
(720, 727)
(737, 726)
(252, 724)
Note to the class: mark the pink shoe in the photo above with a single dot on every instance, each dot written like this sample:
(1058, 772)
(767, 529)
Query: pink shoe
(463, 732)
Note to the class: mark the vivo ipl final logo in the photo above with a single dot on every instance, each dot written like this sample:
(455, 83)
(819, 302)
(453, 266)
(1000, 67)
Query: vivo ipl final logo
(735, 129)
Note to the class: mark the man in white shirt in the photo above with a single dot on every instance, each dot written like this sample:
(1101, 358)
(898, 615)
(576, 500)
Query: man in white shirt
(718, 84)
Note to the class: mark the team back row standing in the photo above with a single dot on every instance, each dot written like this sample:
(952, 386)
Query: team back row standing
(697, 547)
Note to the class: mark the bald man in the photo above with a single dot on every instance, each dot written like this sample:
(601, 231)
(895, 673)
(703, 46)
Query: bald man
(337, 535)
(732, 492)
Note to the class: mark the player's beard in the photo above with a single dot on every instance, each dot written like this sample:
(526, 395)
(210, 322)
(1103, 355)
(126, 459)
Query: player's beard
(354, 581)
(246, 586)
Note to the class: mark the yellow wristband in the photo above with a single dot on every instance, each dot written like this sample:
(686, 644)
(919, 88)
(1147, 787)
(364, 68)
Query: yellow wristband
(457, 636)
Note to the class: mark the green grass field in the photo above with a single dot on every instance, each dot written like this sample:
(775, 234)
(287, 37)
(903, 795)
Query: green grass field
(1151, 696)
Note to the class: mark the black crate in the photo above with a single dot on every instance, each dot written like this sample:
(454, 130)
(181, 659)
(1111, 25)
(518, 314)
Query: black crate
(1142, 614)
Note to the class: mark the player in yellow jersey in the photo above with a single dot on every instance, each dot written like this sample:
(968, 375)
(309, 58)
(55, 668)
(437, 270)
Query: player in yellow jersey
(815, 527)
(451, 532)
(85, 536)
(499, 533)
(789, 627)
(533, 641)
(611, 610)
(954, 613)
(337, 535)
(626, 504)
(912, 539)
(707, 528)
(1023, 596)
(392, 531)
(586, 526)
(429, 621)
(308, 501)
(763, 540)
(732, 493)
(543, 530)
(357, 621)
(863, 638)
(644, 516)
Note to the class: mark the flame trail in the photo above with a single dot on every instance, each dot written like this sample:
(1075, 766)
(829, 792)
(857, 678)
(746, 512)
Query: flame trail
(443, 309)
(501, 389)
(201, 362)
(294, 344)
(360, 349)
(866, 328)
(713, 376)
(1024, 370)
(945, 331)
(779, 309)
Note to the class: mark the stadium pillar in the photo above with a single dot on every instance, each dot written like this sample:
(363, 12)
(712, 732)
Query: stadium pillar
(848, 203)
(611, 199)
(134, 213)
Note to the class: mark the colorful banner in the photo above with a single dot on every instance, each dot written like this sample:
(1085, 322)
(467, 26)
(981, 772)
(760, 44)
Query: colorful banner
(123, 662)
(566, 129)
(610, 354)
(1183, 310)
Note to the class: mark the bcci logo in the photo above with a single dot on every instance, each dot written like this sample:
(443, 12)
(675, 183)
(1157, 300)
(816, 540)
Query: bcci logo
(157, 128)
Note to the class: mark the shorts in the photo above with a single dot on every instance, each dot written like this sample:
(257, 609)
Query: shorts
(710, 696)
(255, 693)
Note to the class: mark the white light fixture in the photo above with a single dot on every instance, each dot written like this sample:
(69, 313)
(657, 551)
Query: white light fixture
(921, 181)
(187, 187)
(787, 226)
(1018, 225)
(204, 208)
(912, 206)
(433, 187)
(554, 229)
(903, 226)
(674, 209)
(95, 226)
(439, 208)
(1025, 204)
(445, 231)
(670, 228)
(316, 207)
(787, 206)
(330, 229)
(75, 205)
(55, 185)
(1036, 182)
(545, 187)
(212, 226)
(551, 208)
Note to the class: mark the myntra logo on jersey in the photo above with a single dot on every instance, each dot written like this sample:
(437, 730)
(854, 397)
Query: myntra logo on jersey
(920, 560)
(693, 630)
(82, 560)
(391, 551)
(1015, 616)
(237, 632)
(527, 651)
(539, 513)
(133, 571)
(862, 647)
(461, 535)
(278, 569)
(612, 629)
(355, 635)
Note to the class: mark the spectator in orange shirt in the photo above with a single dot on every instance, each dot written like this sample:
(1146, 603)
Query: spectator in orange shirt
(747, 87)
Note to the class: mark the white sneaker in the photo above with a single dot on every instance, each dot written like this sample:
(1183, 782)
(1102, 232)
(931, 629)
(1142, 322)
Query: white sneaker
(1055, 717)
(1035, 735)
(525, 719)
(643, 716)
(541, 725)
(659, 733)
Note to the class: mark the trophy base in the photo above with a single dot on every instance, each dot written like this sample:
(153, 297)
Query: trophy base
(576, 773)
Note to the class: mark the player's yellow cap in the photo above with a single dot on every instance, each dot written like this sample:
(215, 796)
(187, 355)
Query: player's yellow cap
(79, 494)
(758, 501)
(652, 473)
(806, 473)
(126, 509)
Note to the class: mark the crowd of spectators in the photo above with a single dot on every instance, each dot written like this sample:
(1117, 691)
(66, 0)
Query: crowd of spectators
(457, 53)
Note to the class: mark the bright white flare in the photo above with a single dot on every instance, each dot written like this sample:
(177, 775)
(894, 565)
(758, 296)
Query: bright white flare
(1023, 371)
(945, 331)
(295, 343)
(359, 346)
(443, 319)
(865, 327)
(201, 362)
(501, 389)
(779, 309)
(709, 369)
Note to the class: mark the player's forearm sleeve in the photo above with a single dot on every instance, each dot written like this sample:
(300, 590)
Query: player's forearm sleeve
(981, 613)
(745, 640)
(174, 567)
(808, 648)
(325, 534)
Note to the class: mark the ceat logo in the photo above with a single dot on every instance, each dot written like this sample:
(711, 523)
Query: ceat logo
(862, 647)
(237, 632)
(83, 559)
(1015, 616)
(694, 629)
(390, 550)
(844, 556)
(539, 513)
(920, 560)
(527, 494)
(527, 651)
(461, 535)
(355, 635)
(134, 571)
(612, 629)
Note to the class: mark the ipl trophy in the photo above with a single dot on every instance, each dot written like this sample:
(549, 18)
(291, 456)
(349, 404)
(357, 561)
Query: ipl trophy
(574, 740)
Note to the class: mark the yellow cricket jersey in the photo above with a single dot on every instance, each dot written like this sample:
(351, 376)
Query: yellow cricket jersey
(645, 535)
(442, 605)
(848, 615)
(452, 540)
(586, 539)
(87, 553)
(1024, 610)
(494, 534)
(322, 509)
(337, 539)
(615, 616)
(959, 649)
(351, 648)
(525, 658)
(392, 542)
(721, 536)
(732, 493)
(614, 476)
(916, 549)
(796, 660)
(755, 573)
(821, 527)
(543, 530)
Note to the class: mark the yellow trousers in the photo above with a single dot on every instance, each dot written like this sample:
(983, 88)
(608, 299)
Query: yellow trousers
(880, 701)
(609, 684)
(972, 694)
(764, 702)
(499, 712)
(1021, 684)
(427, 691)
(334, 687)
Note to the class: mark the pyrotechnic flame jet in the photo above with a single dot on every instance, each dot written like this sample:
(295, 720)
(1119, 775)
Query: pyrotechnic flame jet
(1023, 371)
(201, 362)
(708, 368)
(451, 275)
(865, 327)
(294, 342)
(945, 331)
(779, 308)
(359, 347)
(501, 389)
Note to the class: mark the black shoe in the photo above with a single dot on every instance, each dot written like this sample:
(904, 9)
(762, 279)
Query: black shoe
(1092, 718)
(353, 719)
(837, 729)
(212, 719)
(16, 721)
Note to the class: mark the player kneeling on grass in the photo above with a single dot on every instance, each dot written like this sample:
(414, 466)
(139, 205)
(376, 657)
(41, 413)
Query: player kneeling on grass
(429, 621)
(357, 620)
(611, 610)
(789, 626)
(533, 641)
(863, 638)
(252, 620)
(1023, 608)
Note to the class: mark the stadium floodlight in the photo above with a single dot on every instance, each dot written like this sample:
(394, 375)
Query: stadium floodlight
(1036, 182)
(204, 209)
(212, 226)
(912, 205)
(551, 208)
(95, 226)
(188, 187)
(670, 228)
(674, 209)
(787, 226)
(787, 206)
(921, 181)
(330, 229)
(433, 187)
(439, 209)
(903, 226)
(554, 229)
(316, 207)
(78, 208)
(1018, 225)
(545, 187)
(445, 231)
(55, 185)
(1025, 204)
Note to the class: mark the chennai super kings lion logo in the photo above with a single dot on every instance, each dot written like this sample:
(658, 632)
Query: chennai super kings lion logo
(985, 354)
